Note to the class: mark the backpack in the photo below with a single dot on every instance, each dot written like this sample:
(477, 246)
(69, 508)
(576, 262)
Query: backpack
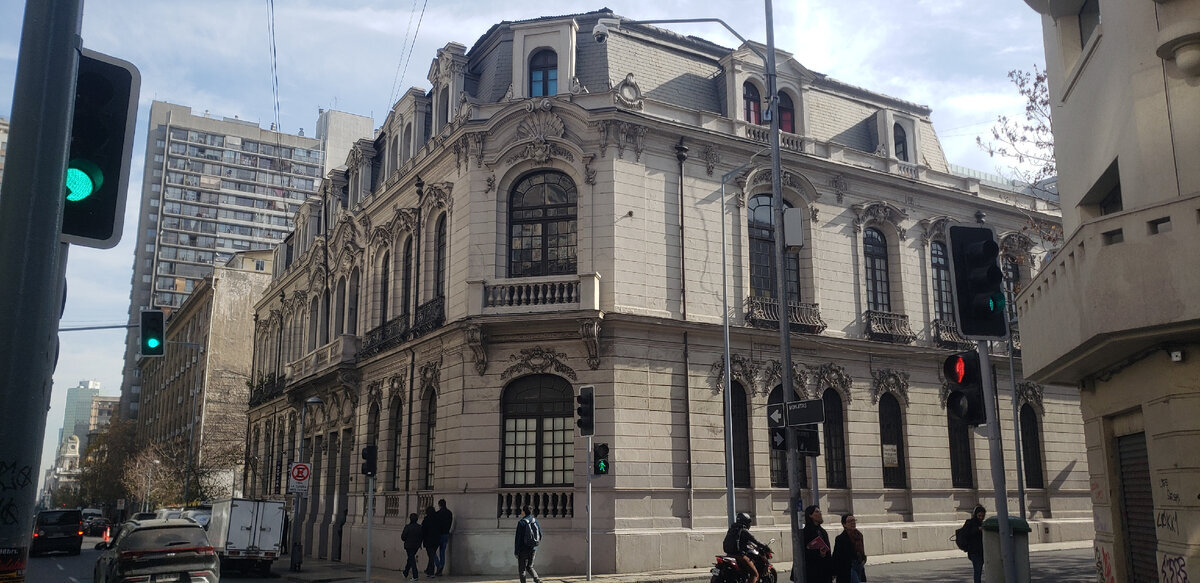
(533, 533)
(731, 542)
(960, 539)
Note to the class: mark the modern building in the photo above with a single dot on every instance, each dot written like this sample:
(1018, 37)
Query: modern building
(212, 186)
(554, 213)
(1114, 314)
(78, 412)
(194, 398)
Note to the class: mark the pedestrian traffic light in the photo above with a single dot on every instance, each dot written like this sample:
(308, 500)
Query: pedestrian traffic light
(586, 410)
(978, 282)
(600, 465)
(370, 454)
(106, 99)
(153, 333)
(965, 401)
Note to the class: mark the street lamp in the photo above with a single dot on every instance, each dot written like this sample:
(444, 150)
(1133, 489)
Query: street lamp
(146, 498)
(297, 546)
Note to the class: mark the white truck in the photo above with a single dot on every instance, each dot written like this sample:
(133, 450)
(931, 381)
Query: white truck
(247, 534)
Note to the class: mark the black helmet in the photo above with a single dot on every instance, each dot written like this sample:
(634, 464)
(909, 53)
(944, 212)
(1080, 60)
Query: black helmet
(743, 519)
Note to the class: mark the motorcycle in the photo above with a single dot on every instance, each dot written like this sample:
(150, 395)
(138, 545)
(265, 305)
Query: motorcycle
(727, 570)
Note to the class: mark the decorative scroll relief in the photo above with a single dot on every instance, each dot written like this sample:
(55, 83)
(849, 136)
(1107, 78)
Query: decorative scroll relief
(395, 389)
(437, 195)
(880, 211)
(475, 340)
(405, 220)
(743, 370)
(589, 330)
(430, 373)
(621, 134)
(830, 376)
(540, 126)
(934, 228)
(889, 380)
(712, 157)
(773, 375)
(537, 360)
(1032, 393)
(838, 182)
(375, 393)
(628, 94)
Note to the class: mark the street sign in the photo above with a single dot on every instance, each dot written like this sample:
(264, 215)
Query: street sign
(805, 412)
(775, 416)
(809, 442)
(120, 504)
(779, 438)
(298, 478)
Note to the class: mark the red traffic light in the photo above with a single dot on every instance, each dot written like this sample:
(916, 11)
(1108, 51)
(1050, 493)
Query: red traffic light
(962, 368)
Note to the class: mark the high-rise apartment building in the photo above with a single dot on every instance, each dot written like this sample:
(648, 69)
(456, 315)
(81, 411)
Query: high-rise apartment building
(78, 410)
(213, 186)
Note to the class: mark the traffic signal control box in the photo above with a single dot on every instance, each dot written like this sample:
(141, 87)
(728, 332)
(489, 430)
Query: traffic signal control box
(152, 332)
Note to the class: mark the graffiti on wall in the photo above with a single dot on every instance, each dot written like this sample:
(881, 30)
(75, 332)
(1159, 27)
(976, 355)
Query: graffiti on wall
(1168, 520)
(1104, 564)
(1099, 490)
(1101, 519)
(1173, 569)
(1165, 485)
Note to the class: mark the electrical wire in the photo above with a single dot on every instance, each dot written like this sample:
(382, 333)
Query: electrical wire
(274, 60)
(400, 61)
(414, 41)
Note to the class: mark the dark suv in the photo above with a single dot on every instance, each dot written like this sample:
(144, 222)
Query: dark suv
(158, 550)
(57, 530)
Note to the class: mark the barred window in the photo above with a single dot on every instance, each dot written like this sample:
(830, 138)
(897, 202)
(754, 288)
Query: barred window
(835, 440)
(542, 225)
(962, 474)
(538, 447)
(943, 291)
(1031, 448)
(875, 251)
(741, 435)
(891, 440)
(761, 225)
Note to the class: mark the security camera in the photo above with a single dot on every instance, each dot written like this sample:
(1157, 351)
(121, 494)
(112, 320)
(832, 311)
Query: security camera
(600, 31)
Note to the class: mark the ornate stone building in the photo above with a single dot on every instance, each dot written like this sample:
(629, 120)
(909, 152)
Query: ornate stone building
(549, 215)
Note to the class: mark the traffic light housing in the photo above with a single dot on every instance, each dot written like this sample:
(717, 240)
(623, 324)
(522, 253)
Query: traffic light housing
(978, 283)
(106, 99)
(586, 411)
(370, 456)
(152, 331)
(600, 465)
(965, 380)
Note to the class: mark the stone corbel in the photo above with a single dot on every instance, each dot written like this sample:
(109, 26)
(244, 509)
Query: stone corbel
(589, 330)
(476, 340)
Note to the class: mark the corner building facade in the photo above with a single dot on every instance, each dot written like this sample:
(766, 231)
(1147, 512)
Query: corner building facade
(549, 215)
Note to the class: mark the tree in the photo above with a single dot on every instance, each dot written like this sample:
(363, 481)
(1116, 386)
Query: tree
(1028, 145)
(104, 464)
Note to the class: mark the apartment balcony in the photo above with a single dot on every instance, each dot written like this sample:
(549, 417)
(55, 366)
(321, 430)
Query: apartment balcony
(889, 327)
(946, 335)
(268, 386)
(391, 334)
(763, 312)
(429, 317)
(787, 141)
(524, 295)
(342, 351)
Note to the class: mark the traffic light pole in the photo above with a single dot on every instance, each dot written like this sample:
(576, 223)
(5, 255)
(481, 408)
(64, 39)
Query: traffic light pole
(370, 519)
(591, 466)
(997, 458)
(32, 263)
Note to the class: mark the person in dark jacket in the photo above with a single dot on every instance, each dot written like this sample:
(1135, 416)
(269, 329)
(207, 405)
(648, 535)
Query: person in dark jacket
(849, 552)
(445, 522)
(529, 534)
(818, 553)
(413, 539)
(431, 538)
(972, 529)
(739, 542)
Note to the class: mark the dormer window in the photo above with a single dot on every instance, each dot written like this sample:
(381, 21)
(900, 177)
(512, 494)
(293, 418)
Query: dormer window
(543, 74)
(900, 138)
(752, 102)
(787, 114)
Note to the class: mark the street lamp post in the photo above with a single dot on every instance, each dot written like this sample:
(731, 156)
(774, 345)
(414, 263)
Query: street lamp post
(297, 546)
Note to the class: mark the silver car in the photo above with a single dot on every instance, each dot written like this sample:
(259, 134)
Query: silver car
(158, 550)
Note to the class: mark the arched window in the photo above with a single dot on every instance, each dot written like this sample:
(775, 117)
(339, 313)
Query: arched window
(761, 225)
(324, 318)
(901, 141)
(943, 292)
(430, 439)
(741, 435)
(444, 108)
(875, 252)
(1012, 285)
(751, 103)
(538, 431)
(543, 74)
(406, 144)
(891, 441)
(779, 476)
(339, 308)
(1031, 448)
(406, 275)
(439, 258)
(835, 440)
(385, 290)
(962, 475)
(395, 427)
(314, 308)
(352, 307)
(542, 225)
(787, 113)
(373, 425)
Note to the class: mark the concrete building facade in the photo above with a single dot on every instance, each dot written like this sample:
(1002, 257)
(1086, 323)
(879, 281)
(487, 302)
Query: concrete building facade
(1114, 314)
(78, 411)
(551, 214)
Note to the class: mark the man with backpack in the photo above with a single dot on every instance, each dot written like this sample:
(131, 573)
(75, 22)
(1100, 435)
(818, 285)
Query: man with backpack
(529, 535)
(969, 538)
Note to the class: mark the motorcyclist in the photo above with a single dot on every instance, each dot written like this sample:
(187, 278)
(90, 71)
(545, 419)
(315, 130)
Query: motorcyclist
(742, 545)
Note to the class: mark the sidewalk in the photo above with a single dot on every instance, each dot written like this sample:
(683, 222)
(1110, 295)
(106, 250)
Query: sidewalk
(322, 571)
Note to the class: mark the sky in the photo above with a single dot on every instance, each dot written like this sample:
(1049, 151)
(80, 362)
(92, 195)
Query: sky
(357, 55)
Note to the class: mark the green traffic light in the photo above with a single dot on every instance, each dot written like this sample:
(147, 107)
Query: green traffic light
(602, 466)
(153, 342)
(83, 179)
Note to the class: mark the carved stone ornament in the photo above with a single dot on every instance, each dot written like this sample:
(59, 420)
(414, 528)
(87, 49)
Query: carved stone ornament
(431, 373)
(589, 173)
(395, 389)
(773, 375)
(380, 237)
(491, 183)
(539, 127)
(711, 158)
(933, 229)
(537, 360)
(830, 376)
(744, 371)
(889, 380)
(508, 94)
(437, 195)
(838, 182)
(1032, 393)
(576, 87)
(475, 339)
(1015, 244)
(375, 393)
(589, 330)
(881, 211)
(627, 94)
(405, 220)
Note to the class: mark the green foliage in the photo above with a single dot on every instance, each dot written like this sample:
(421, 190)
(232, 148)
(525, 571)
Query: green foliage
(103, 465)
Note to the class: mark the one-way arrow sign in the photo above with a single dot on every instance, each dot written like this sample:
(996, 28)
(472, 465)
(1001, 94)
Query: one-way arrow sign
(775, 416)
(778, 438)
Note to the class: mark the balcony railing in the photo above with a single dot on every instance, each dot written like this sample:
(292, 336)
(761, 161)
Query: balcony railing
(531, 293)
(946, 335)
(429, 317)
(545, 504)
(268, 387)
(909, 170)
(787, 141)
(391, 333)
(343, 350)
(763, 312)
(889, 327)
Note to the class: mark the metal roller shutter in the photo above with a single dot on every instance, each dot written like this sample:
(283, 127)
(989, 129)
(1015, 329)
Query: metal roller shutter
(1137, 508)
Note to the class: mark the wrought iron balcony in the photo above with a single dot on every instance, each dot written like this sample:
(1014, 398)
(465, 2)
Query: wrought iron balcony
(945, 335)
(429, 317)
(390, 334)
(763, 312)
(889, 327)
(268, 387)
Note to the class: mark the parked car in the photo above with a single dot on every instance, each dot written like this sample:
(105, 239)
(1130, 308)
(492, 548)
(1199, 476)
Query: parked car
(158, 550)
(198, 516)
(144, 516)
(57, 530)
(96, 526)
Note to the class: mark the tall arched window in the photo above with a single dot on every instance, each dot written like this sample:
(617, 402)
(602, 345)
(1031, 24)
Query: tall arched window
(875, 252)
(901, 141)
(943, 292)
(1031, 448)
(761, 225)
(385, 290)
(372, 437)
(430, 440)
(542, 225)
(1012, 285)
(779, 476)
(439, 258)
(543, 74)
(787, 113)
(962, 475)
(352, 306)
(395, 428)
(444, 108)
(325, 300)
(406, 275)
(314, 316)
(752, 103)
(339, 308)
(835, 440)
(538, 431)
(891, 440)
(406, 143)
(741, 435)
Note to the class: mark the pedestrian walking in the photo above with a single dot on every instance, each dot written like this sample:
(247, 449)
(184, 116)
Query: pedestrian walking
(431, 539)
(445, 522)
(817, 552)
(413, 539)
(529, 535)
(970, 538)
(849, 553)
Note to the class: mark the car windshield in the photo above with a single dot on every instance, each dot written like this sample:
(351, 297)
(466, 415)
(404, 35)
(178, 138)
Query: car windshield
(165, 537)
(61, 517)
